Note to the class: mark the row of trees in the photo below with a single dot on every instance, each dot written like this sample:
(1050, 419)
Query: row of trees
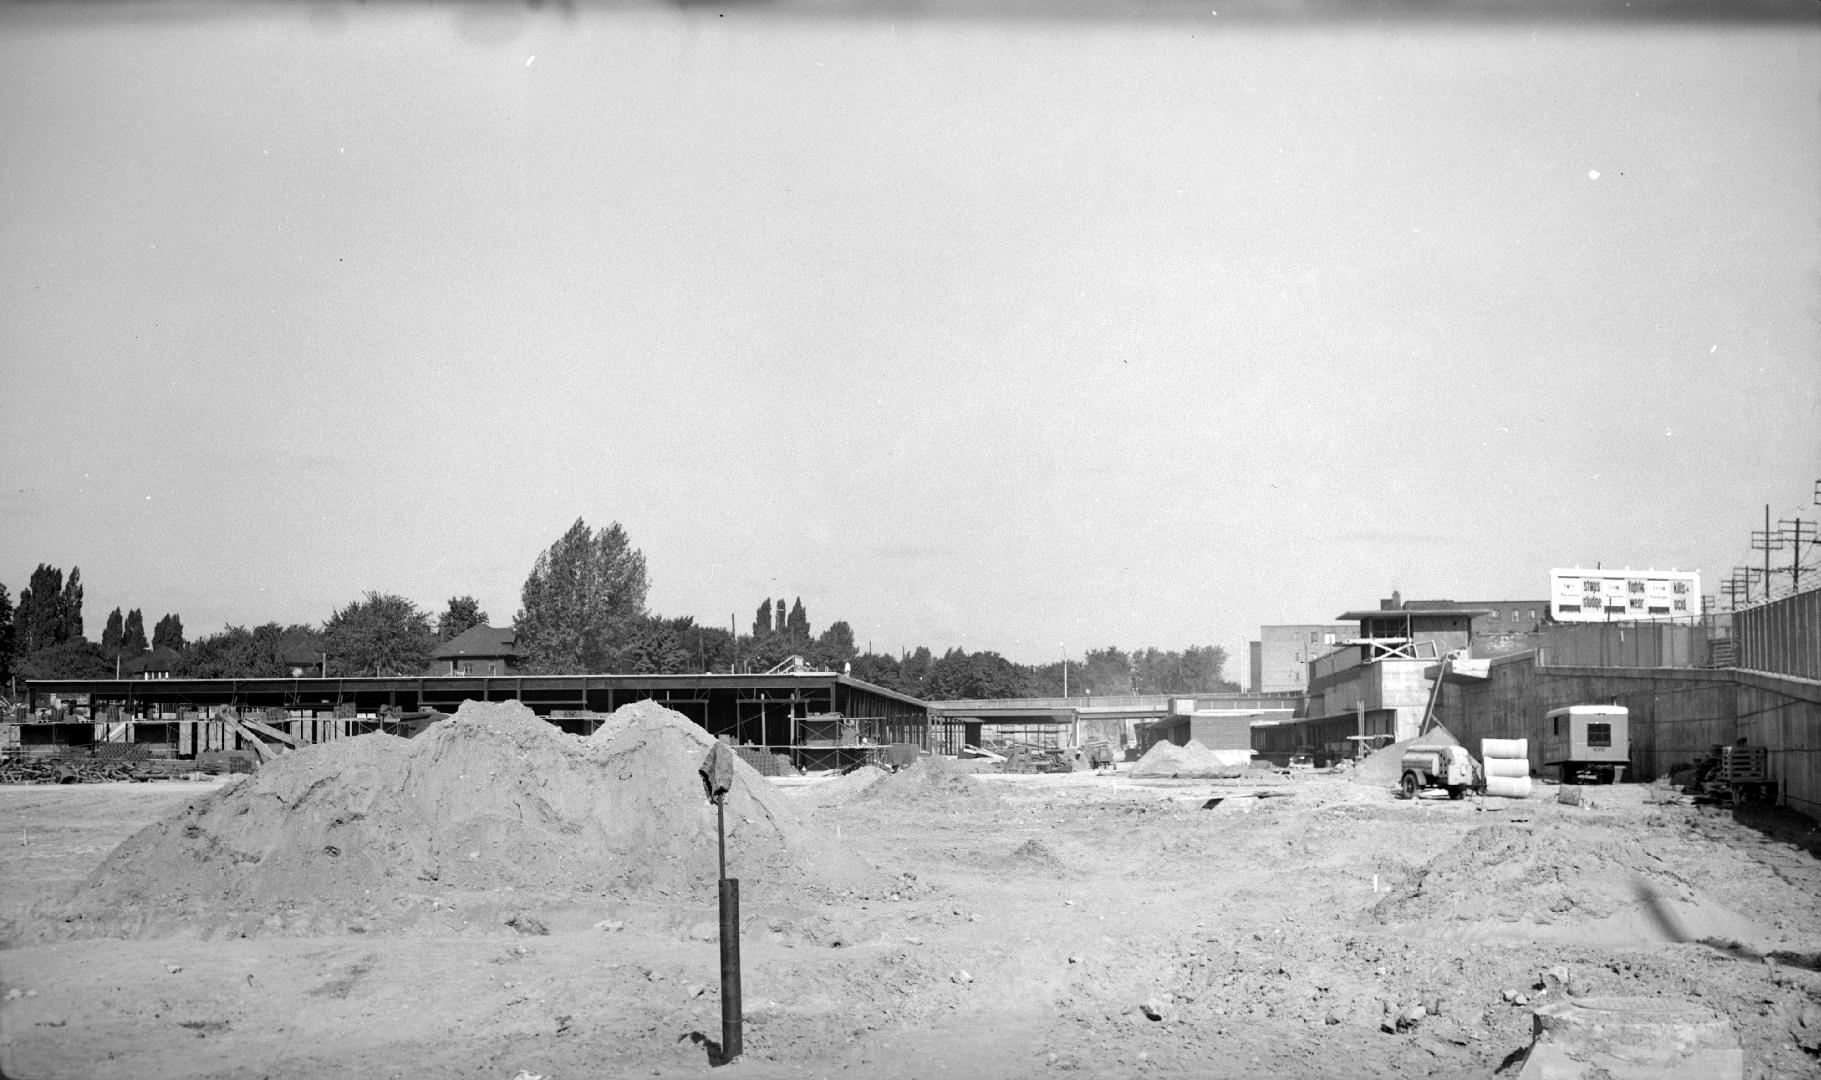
(42, 636)
(582, 608)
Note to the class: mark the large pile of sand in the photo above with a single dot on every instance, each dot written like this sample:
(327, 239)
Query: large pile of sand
(1384, 768)
(1547, 883)
(378, 831)
(1192, 761)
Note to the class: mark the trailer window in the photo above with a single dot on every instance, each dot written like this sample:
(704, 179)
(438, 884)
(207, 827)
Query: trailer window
(1599, 734)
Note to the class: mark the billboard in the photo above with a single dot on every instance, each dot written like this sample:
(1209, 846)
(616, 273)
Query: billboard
(1580, 595)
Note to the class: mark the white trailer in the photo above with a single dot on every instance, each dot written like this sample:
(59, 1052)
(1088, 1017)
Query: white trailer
(1588, 744)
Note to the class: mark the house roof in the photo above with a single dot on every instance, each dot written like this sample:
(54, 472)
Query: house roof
(480, 641)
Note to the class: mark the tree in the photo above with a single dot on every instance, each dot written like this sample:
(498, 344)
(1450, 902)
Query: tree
(583, 603)
(40, 618)
(835, 647)
(68, 660)
(880, 670)
(110, 634)
(168, 634)
(72, 607)
(6, 636)
(1105, 671)
(659, 646)
(715, 647)
(796, 626)
(763, 653)
(761, 623)
(913, 671)
(1204, 669)
(263, 652)
(380, 634)
(132, 637)
(979, 675)
(463, 614)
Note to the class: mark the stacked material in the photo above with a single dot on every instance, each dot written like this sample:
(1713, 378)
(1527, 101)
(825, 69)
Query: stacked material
(1507, 765)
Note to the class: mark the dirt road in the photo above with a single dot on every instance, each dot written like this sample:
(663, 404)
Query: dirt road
(1080, 923)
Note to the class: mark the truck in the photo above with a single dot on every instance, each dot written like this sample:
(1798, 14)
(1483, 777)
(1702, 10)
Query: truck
(1442, 765)
(1588, 744)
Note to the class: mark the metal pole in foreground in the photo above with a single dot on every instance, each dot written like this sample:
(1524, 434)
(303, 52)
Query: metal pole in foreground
(731, 1019)
(717, 776)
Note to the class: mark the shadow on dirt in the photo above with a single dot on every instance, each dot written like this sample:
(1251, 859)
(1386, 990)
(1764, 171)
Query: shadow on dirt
(1781, 824)
(1668, 924)
(713, 1046)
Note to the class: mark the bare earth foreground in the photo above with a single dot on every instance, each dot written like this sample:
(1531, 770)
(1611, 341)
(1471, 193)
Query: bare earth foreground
(1013, 926)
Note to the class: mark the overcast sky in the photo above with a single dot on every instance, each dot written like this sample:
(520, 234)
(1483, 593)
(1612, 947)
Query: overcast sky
(1018, 336)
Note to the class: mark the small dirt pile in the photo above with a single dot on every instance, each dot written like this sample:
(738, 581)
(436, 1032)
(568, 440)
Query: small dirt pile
(1035, 856)
(838, 790)
(377, 832)
(1384, 768)
(1193, 761)
(1509, 882)
(933, 784)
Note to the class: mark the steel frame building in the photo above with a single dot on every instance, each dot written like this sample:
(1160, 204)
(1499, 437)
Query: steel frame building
(760, 710)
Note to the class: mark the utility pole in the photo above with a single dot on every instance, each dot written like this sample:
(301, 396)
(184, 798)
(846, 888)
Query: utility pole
(1792, 527)
(1738, 587)
(1766, 541)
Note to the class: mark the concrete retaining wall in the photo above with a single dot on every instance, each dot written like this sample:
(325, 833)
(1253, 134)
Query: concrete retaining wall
(1677, 715)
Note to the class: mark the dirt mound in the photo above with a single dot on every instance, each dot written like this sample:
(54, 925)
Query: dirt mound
(1189, 762)
(839, 790)
(1508, 882)
(1035, 856)
(1384, 768)
(933, 783)
(379, 832)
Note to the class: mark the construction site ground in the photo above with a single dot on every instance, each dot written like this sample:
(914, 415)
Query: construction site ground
(1077, 923)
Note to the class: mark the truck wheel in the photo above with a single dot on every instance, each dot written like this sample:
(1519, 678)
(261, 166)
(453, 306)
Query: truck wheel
(1456, 791)
(1410, 785)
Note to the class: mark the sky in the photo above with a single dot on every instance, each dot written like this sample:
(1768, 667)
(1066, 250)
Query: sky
(1014, 335)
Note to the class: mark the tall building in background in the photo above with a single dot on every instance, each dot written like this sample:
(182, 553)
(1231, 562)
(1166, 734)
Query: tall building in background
(1280, 657)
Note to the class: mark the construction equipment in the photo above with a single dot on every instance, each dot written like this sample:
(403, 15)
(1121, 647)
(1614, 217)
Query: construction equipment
(1100, 754)
(1441, 765)
(1745, 772)
(1588, 744)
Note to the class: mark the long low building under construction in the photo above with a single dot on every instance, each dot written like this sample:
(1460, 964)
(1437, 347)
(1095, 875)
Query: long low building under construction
(818, 718)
